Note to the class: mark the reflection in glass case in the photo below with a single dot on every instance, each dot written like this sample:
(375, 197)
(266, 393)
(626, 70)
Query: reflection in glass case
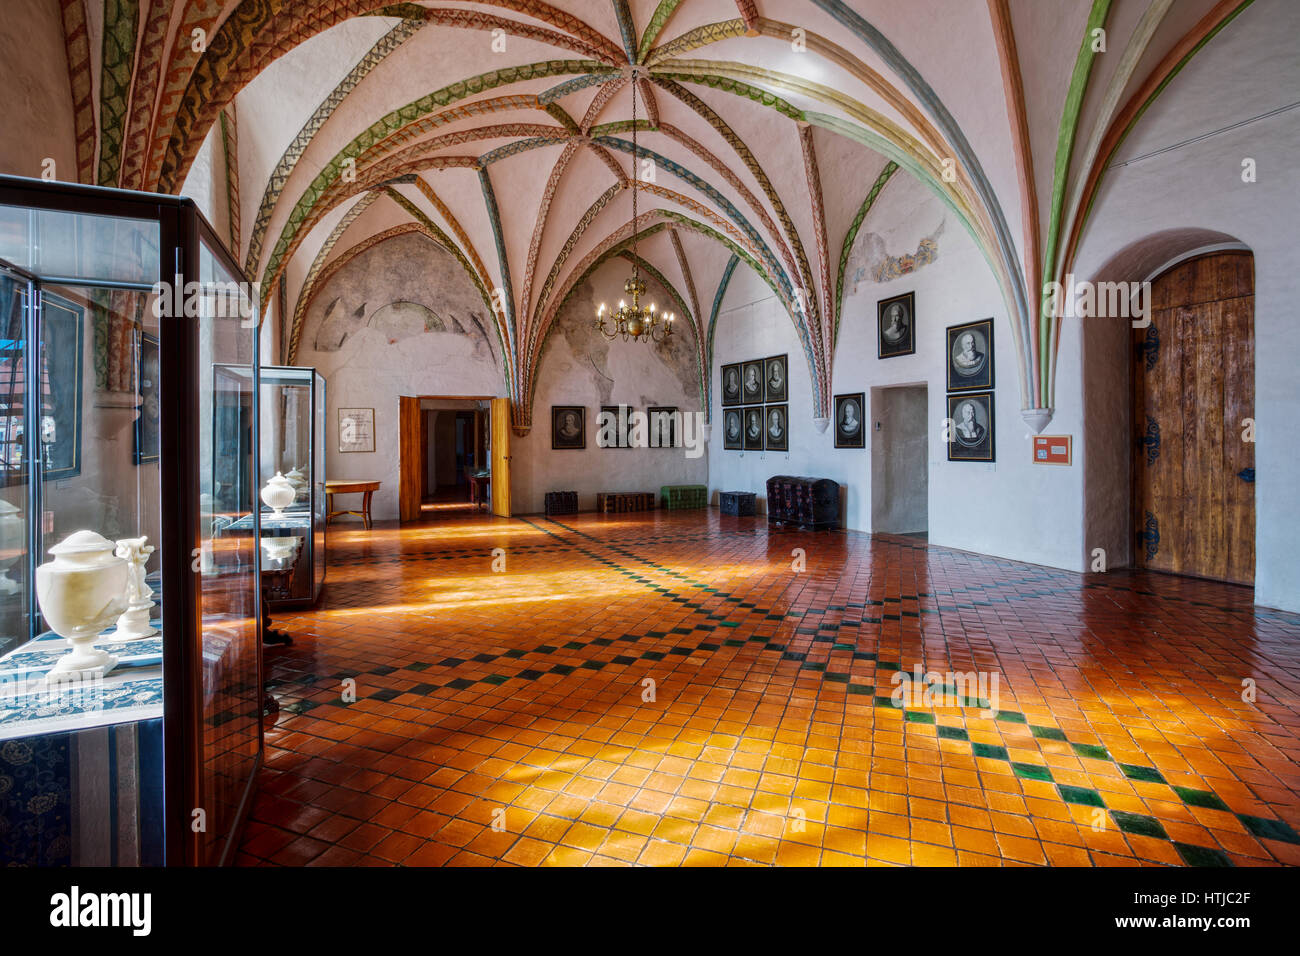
(291, 485)
(130, 665)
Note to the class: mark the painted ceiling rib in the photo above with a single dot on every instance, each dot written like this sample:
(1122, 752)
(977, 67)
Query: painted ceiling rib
(658, 20)
(76, 43)
(144, 87)
(814, 179)
(1013, 92)
(952, 132)
(288, 161)
(626, 27)
(503, 262)
(201, 15)
(117, 62)
(852, 234)
(1061, 172)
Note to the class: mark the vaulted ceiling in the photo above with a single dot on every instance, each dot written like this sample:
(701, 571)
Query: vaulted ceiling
(501, 130)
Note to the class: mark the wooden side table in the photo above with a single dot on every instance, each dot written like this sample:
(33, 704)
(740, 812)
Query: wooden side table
(364, 488)
(480, 491)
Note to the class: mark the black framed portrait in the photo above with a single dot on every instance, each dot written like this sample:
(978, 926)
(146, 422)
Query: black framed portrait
(731, 384)
(733, 428)
(62, 325)
(970, 356)
(776, 427)
(752, 419)
(775, 384)
(971, 437)
(568, 426)
(896, 325)
(851, 420)
(146, 426)
(751, 382)
(613, 426)
(663, 422)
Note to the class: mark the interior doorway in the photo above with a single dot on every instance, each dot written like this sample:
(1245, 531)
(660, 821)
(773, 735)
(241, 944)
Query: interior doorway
(1193, 404)
(900, 461)
(446, 456)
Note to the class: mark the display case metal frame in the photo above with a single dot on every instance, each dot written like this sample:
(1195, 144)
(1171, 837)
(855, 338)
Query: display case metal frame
(315, 541)
(183, 233)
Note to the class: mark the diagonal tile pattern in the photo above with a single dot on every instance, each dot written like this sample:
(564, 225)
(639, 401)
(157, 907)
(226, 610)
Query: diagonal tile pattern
(666, 689)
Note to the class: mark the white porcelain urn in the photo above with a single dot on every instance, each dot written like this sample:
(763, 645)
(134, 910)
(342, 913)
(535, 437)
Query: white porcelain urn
(80, 593)
(278, 494)
(301, 486)
(12, 532)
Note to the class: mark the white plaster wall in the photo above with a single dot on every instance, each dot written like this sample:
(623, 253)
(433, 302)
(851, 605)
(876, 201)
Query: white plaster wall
(38, 116)
(1250, 69)
(1010, 508)
(579, 367)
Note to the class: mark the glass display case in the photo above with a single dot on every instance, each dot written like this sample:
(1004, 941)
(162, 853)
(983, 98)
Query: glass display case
(291, 460)
(130, 663)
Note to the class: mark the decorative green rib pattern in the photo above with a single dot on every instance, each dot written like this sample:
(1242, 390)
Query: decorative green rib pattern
(850, 236)
(1060, 175)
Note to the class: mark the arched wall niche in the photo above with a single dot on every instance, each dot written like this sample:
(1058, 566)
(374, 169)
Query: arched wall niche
(1106, 347)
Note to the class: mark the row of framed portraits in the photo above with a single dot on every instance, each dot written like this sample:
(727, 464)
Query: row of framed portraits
(971, 429)
(758, 381)
(661, 422)
(756, 428)
(970, 345)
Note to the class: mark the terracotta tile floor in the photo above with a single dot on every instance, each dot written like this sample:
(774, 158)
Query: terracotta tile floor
(665, 689)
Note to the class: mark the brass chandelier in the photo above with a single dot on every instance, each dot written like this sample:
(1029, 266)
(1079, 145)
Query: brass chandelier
(636, 321)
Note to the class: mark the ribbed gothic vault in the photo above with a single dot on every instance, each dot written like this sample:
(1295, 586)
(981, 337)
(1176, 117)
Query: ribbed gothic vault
(500, 130)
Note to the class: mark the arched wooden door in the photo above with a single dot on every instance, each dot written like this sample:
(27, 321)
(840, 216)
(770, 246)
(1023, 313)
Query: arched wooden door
(1193, 421)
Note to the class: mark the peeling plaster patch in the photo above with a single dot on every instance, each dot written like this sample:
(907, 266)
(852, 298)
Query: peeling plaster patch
(870, 261)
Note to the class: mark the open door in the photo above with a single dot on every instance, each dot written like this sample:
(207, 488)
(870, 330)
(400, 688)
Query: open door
(410, 467)
(501, 457)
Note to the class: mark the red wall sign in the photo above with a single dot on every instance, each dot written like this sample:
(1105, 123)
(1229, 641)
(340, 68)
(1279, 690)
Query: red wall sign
(1052, 450)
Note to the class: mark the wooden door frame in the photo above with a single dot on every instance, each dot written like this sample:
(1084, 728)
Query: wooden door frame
(410, 469)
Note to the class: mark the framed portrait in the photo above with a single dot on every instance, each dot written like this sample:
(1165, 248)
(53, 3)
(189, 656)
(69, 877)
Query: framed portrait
(970, 356)
(733, 428)
(62, 325)
(896, 325)
(752, 422)
(731, 384)
(146, 426)
(751, 382)
(613, 426)
(664, 422)
(776, 427)
(569, 426)
(356, 429)
(775, 385)
(850, 420)
(971, 438)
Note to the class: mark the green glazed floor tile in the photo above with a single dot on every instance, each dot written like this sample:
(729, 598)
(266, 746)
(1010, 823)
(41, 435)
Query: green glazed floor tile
(1200, 798)
(1032, 772)
(1201, 856)
(1139, 823)
(1145, 774)
(1079, 795)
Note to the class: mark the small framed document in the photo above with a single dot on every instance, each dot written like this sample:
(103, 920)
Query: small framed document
(356, 429)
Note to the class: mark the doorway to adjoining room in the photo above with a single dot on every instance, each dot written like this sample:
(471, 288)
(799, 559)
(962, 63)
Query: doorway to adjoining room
(899, 460)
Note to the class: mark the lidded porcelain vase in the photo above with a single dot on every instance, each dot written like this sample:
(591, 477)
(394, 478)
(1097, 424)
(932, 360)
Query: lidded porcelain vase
(278, 493)
(80, 593)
